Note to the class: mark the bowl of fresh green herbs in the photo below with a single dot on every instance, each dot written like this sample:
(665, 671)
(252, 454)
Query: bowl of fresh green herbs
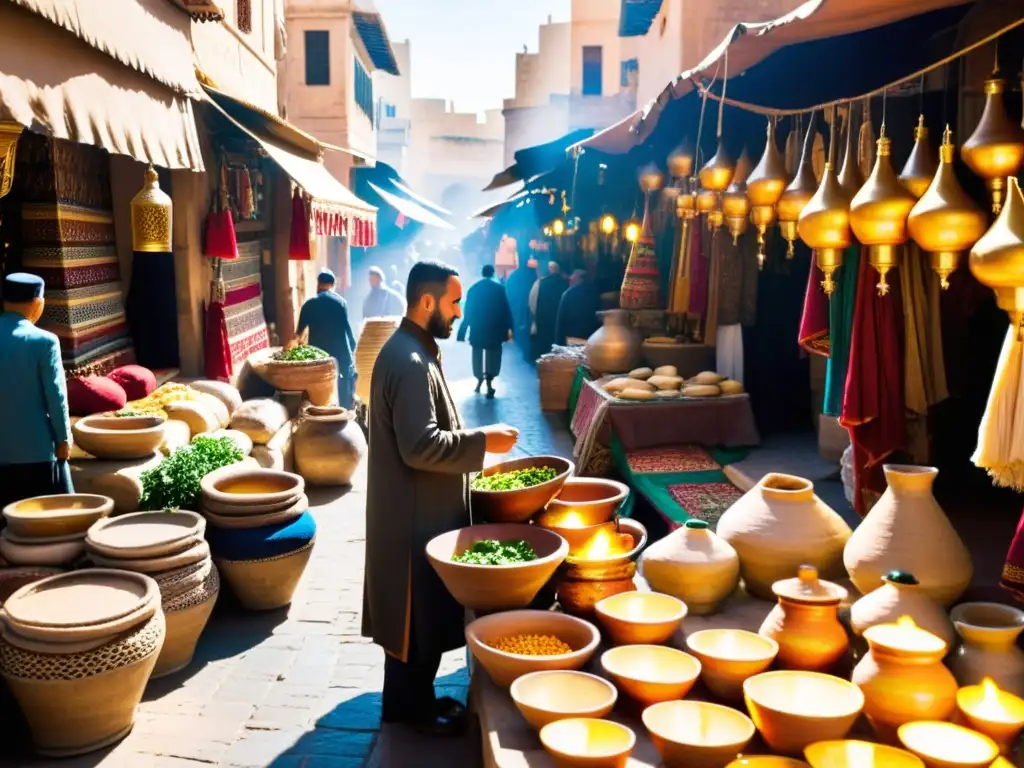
(514, 491)
(301, 368)
(497, 566)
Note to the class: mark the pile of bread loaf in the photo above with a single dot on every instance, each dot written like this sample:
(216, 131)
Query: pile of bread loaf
(665, 382)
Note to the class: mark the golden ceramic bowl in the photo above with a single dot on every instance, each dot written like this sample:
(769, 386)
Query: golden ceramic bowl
(45, 517)
(855, 754)
(640, 618)
(697, 734)
(581, 742)
(548, 696)
(976, 711)
(729, 656)
(767, 761)
(651, 674)
(584, 501)
(793, 709)
(945, 745)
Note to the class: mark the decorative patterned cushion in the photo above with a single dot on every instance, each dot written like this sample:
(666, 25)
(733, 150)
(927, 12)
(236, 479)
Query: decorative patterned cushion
(94, 394)
(137, 382)
(260, 543)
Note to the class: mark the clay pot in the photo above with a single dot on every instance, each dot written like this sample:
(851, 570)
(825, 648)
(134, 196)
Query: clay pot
(143, 535)
(615, 347)
(198, 551)
(60, 515)
(251, 490)
(901, 595)
(779, 525)
(582, 583)
(329, 446)
(14, 578)
(53, 554)
(259, 520)
(263, 585)
(317, 378)
(119, 437)
(693, 564)
(550, 695)
(584, 501)
(903, 678)
(518, 506)
(989, 632)
(907, 530)
(187, 615)
(805, 623)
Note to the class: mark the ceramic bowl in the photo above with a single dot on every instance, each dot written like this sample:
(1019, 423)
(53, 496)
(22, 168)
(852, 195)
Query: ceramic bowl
(583, 502)
(597, 562)
(14, 578)
(793, 709)
(53, 554)
(640, 618)
(61, 515)
(729, 656)
(766, 761)
(697, 734)
(854, 754)
(550, 695)
(255, 489)
(258, 520)
(142, 535)
(651, 674)
(976, 705)
(945, 745)
(119, 437)
(486, 588)
(588, 743)
(579, 538)
(520, 505)
(504, 668)
(196, 553)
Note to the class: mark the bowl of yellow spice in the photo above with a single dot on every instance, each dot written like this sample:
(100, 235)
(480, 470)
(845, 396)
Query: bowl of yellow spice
(515, 643)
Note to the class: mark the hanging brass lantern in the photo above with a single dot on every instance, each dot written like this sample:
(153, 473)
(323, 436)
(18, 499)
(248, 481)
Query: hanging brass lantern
(735, 204)
(997, 259)
(824, 225)
(631, 231)
(707, 201)
(651, 179)
(946, 220)
(850, 178)
(799, 192)
(717, 174)
(151, 217)
(686, 203)
(765, 186)
(608, 225)
(996, 148)
(920, 168)
(879, 211)
(680, 162)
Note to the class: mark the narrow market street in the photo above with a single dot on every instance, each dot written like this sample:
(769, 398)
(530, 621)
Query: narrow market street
(300, 688)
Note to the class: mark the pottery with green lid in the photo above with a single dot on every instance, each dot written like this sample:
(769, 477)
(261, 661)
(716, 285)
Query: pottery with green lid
(899, 594)
(693, 564)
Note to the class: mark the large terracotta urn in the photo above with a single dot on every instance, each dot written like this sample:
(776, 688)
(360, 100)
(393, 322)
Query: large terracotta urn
(907, 530)
(615, 346)
(329, 445)
(779, 525)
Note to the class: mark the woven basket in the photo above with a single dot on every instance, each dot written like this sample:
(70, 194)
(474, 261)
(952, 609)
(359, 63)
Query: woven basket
(375, 333)
(82, 702)
(181, 580)
(187, 615)
(263, 585)
(556, 375)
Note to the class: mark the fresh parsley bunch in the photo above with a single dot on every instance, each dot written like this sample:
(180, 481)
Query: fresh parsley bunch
(493, 552)
(515, 479)
(175, 482)
(303, 353)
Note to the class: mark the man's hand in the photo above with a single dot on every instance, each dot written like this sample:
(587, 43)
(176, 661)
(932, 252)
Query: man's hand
(501, 438)
(63, 451)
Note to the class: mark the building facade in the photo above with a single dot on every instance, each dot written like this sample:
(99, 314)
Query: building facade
(394, 110)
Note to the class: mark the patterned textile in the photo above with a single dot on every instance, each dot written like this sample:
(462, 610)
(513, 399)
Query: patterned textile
(705, 501)
(243, 303)
(641, 286)
(584, 419)
(676, 458)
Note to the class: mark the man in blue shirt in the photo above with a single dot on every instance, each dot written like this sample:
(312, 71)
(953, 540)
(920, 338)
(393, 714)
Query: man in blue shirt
(383, 300)
(326, 317)
(35, 441)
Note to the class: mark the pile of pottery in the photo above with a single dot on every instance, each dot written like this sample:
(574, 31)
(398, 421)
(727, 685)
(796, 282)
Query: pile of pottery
(76, 653)
(50, 530)
(260, 531)
(170, 548)
(376, 331)
(317, 378)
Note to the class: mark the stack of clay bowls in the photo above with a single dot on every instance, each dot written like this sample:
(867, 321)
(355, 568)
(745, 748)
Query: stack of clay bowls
(76, 653)
(376, 331)
(50, 530)
(260, 531)
(170, 548)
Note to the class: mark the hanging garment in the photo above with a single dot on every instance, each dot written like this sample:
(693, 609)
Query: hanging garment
(151, 309)
(1012, 577)
(729, 352)
(698, 302)
(814, 325)
(840, 329)
(738, 277)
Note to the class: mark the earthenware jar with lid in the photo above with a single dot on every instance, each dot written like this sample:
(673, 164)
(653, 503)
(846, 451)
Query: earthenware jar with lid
(805, 623)
(693, 564)
(989, 632)
(899, 595)
(903, 677)
(907, 530)
(778, 525)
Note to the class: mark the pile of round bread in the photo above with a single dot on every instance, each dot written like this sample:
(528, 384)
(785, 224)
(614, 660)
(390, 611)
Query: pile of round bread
(666, 383)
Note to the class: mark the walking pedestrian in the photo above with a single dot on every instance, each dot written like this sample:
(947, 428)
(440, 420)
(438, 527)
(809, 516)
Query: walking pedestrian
(549, 295)
(517, 289)
(418, 488)
(326, 317)
(383, 300)
(577, 311)
(488, 320)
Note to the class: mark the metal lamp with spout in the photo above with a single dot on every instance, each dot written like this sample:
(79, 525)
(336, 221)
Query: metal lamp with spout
(946, 221)
(717, 174)
(850, 177)
(920, 168)
(995, 150)
(765, 186)
(735, 203)
(680, 162)
(997, 259)
(799, 192)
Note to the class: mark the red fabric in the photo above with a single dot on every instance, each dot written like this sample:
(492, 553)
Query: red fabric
(217, 362)
(698, 272)
(298, 241)
(873, 398)
(813, 335)
(219, 240)
(136, 381)
(243, 294)
(1012, 578)
(94, 394)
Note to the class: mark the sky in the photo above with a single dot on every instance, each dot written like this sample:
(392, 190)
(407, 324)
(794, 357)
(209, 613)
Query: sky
(464, 50)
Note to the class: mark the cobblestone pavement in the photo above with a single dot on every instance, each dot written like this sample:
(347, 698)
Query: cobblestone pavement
(299, 688)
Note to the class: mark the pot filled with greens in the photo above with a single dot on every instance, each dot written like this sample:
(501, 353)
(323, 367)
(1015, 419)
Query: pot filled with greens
(303, 368)
(514, 491)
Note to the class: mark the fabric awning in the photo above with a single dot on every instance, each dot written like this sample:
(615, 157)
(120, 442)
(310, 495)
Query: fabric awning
(370, 27)
(55, 81)
(537, 160)
(411, 209)
(419, 198)
(503, 178)
(636, 16)
(751, 43)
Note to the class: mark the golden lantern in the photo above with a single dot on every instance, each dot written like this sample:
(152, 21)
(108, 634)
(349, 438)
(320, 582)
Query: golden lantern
(715, 219)
(631, 231)
(686, 203)
(680, 162)
(151, 217)
(879, 211)
(799, 192)
(717, 174)
(920, 168)
(651, 179)
(707, 201)
(946, 220)
(850, 178)
(608, 224)
(996, 148)
(558, 227)
(997, 259)
(735, 204)
(765, 186)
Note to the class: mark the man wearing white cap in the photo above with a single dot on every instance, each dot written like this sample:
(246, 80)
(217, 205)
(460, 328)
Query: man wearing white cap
(383, 300)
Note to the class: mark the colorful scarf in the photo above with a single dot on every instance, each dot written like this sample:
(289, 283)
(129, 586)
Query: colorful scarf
(840, 329)
(814, 325)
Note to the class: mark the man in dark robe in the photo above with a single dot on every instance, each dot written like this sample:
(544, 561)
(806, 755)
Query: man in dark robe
(488, 320)
(549, 295)
(326, 317)
(35, 442)
(419, 465)
(517, 288)
(577, 311)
